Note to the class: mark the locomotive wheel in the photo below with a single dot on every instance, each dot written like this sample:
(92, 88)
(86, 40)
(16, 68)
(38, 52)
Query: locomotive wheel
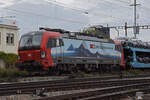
(88, 68)
(74, 70)
(54, 71)
(20, 68)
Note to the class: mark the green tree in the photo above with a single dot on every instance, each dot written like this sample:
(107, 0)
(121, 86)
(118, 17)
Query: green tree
(95, 32)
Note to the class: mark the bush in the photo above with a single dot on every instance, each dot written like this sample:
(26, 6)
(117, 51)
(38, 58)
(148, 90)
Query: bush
(10, 72)
(3, 72)
(9, 58)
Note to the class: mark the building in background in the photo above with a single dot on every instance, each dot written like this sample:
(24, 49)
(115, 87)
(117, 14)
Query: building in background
(8, 36)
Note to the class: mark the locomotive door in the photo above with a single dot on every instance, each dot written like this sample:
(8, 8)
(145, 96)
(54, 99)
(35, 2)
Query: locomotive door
(56, 49)
(59, 50)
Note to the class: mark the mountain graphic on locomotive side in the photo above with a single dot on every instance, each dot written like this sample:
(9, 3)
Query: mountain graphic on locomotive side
(57, 50)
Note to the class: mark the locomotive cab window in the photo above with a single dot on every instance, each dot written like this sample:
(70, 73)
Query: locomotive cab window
(54, 42)
(31, 41)
(61, 42)
(51, 43)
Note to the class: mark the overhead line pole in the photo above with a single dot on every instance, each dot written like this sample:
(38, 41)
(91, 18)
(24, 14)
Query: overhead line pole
(123, 27)
(135, 31)
(128, 27)
(126, 31)
(135, 28)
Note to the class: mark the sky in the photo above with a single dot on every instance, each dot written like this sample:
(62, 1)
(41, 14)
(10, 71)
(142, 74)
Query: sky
(74, 15)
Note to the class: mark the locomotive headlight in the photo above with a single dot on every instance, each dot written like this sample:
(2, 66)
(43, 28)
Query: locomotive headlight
(43, 54)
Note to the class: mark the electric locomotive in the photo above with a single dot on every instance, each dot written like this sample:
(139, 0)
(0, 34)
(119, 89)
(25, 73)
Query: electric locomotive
(59, 50)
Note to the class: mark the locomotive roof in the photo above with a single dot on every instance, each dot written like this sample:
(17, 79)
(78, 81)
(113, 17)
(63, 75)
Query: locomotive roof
(74, 35)
(84, 37)
(34, 32)
(77, 35)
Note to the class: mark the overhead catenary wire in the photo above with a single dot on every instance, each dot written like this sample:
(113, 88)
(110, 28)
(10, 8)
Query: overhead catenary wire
(62, 4)
(79, 10)
(65, 6)
(146, 8)
(38, 16)
(46, 16)
(124, 1)
(57, 18)
(31, 13)
(128, 3)
(82, 10)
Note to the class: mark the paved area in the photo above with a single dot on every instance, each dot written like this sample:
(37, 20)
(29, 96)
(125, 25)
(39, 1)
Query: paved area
(16, 97)
(50, 78)
(126, 98)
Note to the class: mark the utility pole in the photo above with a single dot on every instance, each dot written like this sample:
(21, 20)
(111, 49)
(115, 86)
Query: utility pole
(135, 32)
(117, 31)
(135, 29)
(126, 29)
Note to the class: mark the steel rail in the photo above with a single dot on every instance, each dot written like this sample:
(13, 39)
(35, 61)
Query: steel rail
(70, 80)
(100, 93)
(73, 85)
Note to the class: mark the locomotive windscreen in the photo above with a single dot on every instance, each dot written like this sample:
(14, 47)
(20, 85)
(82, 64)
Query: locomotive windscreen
(30, 41)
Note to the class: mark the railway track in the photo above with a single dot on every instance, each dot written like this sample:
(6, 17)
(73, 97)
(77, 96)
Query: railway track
(103, 93)
(66, 85)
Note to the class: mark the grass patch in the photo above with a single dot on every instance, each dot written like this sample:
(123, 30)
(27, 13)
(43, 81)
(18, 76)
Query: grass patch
(131, 72)
(79, 75)
(136, 72)
(11, 74)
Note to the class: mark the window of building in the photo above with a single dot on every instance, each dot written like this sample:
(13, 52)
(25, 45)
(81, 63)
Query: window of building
(10, 38)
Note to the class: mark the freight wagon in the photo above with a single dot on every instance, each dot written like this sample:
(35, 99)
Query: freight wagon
(137, 53)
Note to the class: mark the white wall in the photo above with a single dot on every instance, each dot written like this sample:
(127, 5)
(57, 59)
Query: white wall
(4, 29)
